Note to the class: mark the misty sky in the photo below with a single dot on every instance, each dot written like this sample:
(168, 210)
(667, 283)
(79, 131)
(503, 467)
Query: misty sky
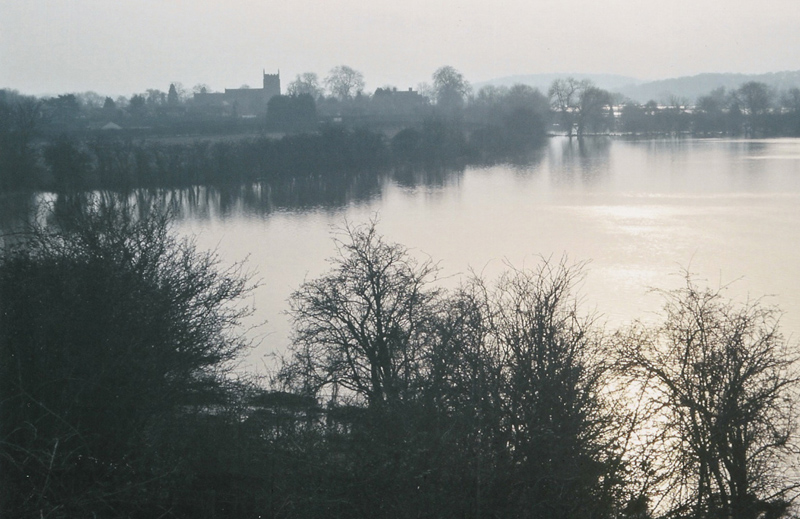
(120, 47)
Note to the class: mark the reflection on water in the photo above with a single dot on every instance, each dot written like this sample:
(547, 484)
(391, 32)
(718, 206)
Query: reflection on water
(638, 210)
(305, 193)
(412, 177)
(17, 210)
(584, 160)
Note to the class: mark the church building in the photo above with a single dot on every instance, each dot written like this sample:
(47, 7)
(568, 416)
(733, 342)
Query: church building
(241, 102)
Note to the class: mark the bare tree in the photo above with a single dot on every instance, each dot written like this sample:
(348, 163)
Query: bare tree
(564, 97)
(360, 327)
(721, 379)
(306, 83)
(757, 99)
(344, 82)
(592, 113)
(791, 100)
(561, 435)
(450, 88)
(112, 333)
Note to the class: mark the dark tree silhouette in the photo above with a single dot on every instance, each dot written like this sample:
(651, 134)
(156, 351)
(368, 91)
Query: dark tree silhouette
(172, 96)
(564, 97)
(561, 435)
(292, 113)
(20, 122)
(113, 334)
(722, 382)
(344, 82)
(68, 163)
(450, 88)
(306, 83)
(361, 326)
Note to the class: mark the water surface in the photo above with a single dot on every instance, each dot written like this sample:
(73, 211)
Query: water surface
(639, 211)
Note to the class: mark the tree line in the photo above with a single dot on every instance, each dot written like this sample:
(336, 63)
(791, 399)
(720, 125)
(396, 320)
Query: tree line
(397, 398)
(754, 110)
(63, 162)
(45, 143)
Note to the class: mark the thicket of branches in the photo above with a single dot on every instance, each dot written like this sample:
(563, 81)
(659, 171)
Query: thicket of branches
(115, 338)
(397, 399)
(501, 399)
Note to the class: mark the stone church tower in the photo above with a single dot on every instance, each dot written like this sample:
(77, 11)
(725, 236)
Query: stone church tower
(272, 84)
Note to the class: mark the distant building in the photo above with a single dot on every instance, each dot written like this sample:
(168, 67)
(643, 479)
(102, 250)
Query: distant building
(390, 105)
(241, 102)
(400, 97)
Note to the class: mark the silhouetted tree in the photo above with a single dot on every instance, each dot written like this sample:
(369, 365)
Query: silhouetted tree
(344, 82)
(633, 119)
(450, 89)
(361, 327)
(113, 336)
(756, 99)
(560, 434)
(306, 83)
(564, 97)
(790, 101)
(709, 113)
(488, 401)
(593, 109)
(68, 163)
(137, 105)
(20, 122)
(509, 121)
(109, 105)
(62, 111)
(155, 97)
(292, 113)
(172, 95)
(722, 383)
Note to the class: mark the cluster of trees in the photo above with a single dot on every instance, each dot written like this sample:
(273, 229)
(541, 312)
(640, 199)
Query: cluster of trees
(753, 109)
(583, 105)
(116, 347)
(340, 95)
(501, 399)
(44, 143)
(19, 128)
(125, 164)
(507, 124)
(575, 106)
(397, 398)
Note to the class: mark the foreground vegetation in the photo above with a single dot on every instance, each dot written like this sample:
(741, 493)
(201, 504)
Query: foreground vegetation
(397, 398)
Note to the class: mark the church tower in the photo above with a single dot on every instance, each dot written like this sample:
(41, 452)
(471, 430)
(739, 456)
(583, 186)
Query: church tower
(272, 84)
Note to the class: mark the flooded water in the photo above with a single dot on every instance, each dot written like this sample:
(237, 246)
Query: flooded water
(638, 211)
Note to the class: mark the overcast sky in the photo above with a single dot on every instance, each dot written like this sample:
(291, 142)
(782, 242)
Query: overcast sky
(120, 47)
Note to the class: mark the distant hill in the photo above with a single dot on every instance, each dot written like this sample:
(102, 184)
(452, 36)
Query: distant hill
(692, 87)
(543, 81)
(687, 87)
